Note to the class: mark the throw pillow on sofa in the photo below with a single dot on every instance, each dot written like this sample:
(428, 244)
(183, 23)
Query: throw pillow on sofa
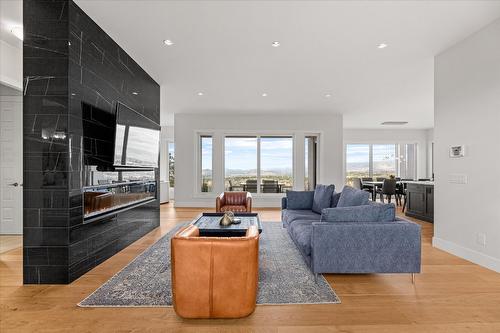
(353, 197)
(322, 197)
(363, 213)
(335, 199)
(299, 200)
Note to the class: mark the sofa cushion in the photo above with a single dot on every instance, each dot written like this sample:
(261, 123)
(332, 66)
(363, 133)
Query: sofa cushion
(290, 215)
(301, 232)
(387, 211)
(363, 213)
(299, 199)
(322, 197)
(335, 199)
(353, 197)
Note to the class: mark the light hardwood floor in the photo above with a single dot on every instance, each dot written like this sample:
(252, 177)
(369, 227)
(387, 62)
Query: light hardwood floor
(451, 295)
(9, 242)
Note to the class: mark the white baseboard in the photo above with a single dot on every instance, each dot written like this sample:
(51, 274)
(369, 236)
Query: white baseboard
(467, 254)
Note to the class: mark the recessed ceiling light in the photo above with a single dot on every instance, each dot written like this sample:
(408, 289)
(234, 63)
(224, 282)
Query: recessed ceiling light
(328, 95)
(18, 32)
(394, 123)
(382, 45)
(264, 94)
(135, 93)
(200, 93)
(276, 44)
(168, 42)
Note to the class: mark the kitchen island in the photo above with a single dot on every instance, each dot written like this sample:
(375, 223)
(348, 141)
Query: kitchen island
(420, 200)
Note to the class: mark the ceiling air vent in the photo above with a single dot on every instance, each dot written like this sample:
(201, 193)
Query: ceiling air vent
(394, 123)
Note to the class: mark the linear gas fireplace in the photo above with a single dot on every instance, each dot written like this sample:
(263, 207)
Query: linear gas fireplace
(109, 199)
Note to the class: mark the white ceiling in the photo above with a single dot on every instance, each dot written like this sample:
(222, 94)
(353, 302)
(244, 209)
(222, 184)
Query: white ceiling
(223, 48)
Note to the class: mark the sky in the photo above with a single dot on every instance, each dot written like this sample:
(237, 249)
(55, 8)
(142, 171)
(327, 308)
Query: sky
(241, 153)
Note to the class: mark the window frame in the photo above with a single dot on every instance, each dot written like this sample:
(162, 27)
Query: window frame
(218, 158)
(198, 159)
(258, 135)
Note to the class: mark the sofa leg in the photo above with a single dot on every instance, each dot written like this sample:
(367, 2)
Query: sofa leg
(316, 276)
(413, 278)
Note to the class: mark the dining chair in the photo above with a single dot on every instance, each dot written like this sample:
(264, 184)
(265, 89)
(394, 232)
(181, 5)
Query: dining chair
(356, 183)
(388, 189)
(364, 186)
(270, 186)
(380, 179)
(251, 185)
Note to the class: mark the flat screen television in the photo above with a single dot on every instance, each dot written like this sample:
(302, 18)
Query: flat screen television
(137, 140)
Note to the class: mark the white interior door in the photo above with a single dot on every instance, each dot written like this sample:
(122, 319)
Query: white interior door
(11, 165)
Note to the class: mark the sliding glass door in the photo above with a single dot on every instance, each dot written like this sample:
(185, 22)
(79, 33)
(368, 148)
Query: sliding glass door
(276, 164)
(240, 160)
(258, 164)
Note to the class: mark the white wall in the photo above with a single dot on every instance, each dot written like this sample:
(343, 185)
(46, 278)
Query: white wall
(329, 127)
(11, 65)
(398, 136)
(467, 111)
(430, 141)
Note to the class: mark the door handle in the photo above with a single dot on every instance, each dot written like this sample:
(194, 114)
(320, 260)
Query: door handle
(16, 184)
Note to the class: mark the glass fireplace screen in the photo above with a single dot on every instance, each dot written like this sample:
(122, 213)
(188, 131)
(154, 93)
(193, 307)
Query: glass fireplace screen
(116, 196)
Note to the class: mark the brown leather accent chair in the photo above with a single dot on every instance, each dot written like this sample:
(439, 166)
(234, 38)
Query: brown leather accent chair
(214, 277)
(234, 201)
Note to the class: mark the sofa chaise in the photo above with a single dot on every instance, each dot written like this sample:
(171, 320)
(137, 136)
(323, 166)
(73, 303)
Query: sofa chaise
(364, 238)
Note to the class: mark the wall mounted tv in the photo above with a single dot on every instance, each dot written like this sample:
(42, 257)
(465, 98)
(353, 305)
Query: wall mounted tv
(137, 140)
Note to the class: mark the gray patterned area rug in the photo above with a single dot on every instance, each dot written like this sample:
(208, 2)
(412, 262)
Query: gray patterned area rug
(284, 277)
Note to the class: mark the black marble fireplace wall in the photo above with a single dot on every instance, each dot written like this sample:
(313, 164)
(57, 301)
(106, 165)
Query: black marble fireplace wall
(69, 59)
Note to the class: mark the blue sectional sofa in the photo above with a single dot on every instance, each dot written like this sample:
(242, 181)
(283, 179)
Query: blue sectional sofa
(366, 238)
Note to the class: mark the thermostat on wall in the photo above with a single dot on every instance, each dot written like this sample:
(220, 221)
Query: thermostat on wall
(457, 151)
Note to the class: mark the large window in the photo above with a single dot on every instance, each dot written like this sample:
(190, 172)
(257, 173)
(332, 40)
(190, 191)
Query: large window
(240, 164)
(276, 164)
(258, 164)
(206, 163)
(381, 161)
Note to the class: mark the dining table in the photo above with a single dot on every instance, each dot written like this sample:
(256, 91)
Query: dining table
(279, 187)
(374, 184)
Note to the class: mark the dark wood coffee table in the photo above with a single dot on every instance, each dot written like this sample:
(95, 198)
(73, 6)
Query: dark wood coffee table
(208, 223)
